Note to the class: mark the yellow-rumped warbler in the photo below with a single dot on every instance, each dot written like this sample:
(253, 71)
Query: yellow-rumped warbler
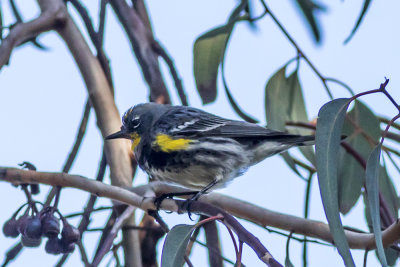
(195, 149)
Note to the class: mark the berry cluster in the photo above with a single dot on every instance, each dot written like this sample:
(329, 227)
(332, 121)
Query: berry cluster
(32, 227)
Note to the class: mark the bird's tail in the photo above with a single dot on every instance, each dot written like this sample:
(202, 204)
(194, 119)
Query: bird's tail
(301, 140)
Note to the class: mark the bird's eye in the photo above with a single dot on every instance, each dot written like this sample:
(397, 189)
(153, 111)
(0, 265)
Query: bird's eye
(135, 123)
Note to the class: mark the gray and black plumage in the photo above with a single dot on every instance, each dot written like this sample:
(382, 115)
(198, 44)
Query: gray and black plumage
(195, 149)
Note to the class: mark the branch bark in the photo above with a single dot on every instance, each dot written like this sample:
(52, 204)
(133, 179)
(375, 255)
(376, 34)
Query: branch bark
(51, 17)
(54, 16)
(17, 176)
(141, 38)
(138, 197)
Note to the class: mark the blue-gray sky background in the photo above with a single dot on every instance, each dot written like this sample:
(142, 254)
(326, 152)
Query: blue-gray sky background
(42, 98)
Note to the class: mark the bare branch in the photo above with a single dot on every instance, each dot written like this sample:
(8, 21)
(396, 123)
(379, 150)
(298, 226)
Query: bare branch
(213, 243)
(239, 208)
(52, 16)
(108, 118)
(142, 39)
(119, 222)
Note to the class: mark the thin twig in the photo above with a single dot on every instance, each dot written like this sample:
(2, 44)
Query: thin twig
(97, 39)
(175, 76)
(85, 220)
(306, 212)
(213, 244)
(119, 222)
(102, 20)
(75, 148)
(299, 51)
(142, 39)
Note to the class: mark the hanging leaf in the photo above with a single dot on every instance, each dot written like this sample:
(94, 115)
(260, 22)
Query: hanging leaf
(388, 192)
(309, 8)
(328, 135)
(298, 113)
(276, 100)
(284, 102)
(360, 18)
(175, 244)
(208, 52)
(362, 129)
(391, 254)
(372, 184)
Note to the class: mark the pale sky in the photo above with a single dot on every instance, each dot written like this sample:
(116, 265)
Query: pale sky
(43, 97)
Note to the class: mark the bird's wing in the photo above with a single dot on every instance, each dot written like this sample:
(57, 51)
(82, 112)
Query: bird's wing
(192, 122)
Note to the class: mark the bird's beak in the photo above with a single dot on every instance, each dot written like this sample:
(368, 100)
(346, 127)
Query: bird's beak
(119, 134)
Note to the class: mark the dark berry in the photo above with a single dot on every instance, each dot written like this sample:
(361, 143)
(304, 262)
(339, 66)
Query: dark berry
(10, 228)
(22, 222)
(35, 189)
(53, 246)
(33, 228)
(70, 234)
(30, 242)
(67, 248)
(50, 225)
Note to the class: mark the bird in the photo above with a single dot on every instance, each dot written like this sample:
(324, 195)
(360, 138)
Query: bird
(197, 150)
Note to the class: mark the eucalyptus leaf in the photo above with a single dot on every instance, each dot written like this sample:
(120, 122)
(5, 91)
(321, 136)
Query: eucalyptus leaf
(298, 113)
(372, 184)
(360, 18)
(388, 192)
(328, 136)
(208, 51)
(362, 129)
(308, 7)
(175, 244)
(276, 100)
(284, 102)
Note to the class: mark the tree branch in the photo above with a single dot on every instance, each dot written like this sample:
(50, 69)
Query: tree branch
(108, 118)
(107, 244)
(138, 197)
(141, 38)
(50, 18)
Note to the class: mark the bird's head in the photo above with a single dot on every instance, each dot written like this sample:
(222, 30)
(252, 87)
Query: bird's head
(138, 120)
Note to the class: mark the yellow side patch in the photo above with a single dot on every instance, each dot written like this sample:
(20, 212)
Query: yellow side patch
(135, 140)
(168, 144)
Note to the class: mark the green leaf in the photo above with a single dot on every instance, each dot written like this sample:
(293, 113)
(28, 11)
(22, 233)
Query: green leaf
(328, 135)
(362, 130)
(276, 100)
(284, 102)
(298, 113)
(372, 184)
(208, 51)
(388, 192)
(308, 8)
(175, 244)
(209, 54)
(288, 263)
(391, 256)
(360, 18)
